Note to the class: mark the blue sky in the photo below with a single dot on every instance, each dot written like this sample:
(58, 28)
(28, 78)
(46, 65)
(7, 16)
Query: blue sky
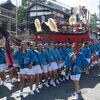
(92, 5)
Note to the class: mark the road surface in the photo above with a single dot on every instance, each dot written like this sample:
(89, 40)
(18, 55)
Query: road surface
(90, 88)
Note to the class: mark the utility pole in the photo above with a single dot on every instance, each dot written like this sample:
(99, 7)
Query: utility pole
(16, 18)
(99, 13)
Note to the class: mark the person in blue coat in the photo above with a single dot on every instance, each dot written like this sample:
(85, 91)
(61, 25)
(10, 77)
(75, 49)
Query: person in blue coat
(75, 61)
(53, 64)
(98, 50)
(59, 62)
(69, 48)
(86, 52)
(65, 49)
(61, 51)
(99, 54)
(36, 68)
(25, 60)
(14, 71)
(2, 65)
(44, 61)
(97, 45)
(92, 47)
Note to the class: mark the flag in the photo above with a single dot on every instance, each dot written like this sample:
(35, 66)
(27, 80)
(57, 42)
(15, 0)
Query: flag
(8, 55)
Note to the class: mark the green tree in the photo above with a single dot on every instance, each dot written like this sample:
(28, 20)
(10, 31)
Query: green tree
(92, 25)
(25, 2)
(21, 14)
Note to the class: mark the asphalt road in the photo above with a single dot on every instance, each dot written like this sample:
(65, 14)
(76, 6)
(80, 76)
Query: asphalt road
(90, 88)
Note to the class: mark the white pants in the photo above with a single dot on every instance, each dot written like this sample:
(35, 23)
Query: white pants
(3, 67)
(16, 65)
(75, 77)
(97, 53)
(53, 66)
(45, 68)
(24, 71)
(35, 70)
(60, 65)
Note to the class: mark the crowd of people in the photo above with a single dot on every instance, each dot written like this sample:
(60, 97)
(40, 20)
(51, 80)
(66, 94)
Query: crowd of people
(49, 63)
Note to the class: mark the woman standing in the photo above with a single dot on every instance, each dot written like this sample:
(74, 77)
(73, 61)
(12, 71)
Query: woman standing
(25, 60)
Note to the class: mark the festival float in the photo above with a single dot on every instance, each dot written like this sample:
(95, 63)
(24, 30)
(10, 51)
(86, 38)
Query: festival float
(75, 30)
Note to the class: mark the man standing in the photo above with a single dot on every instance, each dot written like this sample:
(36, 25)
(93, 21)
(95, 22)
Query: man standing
(75, 61)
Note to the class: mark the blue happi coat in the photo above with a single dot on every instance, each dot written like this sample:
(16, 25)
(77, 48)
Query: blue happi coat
(44, 57)
(86, 52)
(77, 65)
(36, 58)
(24, 58)
(2, 56)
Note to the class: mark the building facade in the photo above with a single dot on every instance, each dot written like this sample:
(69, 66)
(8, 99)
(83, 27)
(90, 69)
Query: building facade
(8, 16)
(45, 11)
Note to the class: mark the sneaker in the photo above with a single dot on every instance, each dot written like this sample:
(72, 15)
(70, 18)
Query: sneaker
(63, 73)
(47, 85)
(63, 78)
(21, 94)
(75, 96)
(67, 77)
(60, 79)
(51, 82)
(37, 90)
(32, 92)
(1, 83)
(14, 80)
(4, 83)
(57, 82)
(79, 92)
(54, 84)
(96, 62)
(40, 86)
(10, 80)
(91, 65)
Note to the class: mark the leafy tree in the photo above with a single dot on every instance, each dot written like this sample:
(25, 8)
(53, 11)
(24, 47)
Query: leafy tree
(21, 14)
(92, 25)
